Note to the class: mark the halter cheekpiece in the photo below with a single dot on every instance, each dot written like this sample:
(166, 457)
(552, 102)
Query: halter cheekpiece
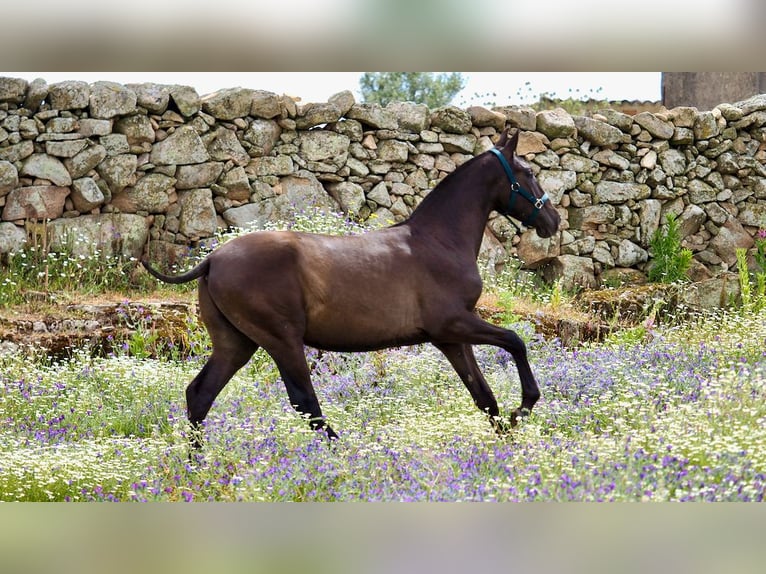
(516, 188)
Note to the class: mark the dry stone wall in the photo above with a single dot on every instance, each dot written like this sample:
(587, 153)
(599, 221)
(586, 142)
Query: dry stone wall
(147, 166)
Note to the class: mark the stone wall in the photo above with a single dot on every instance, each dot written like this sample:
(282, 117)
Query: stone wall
(147, 166)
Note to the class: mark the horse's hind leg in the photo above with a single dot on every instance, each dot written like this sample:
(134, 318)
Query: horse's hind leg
(231, 350)
(462, 359)
(291, 362)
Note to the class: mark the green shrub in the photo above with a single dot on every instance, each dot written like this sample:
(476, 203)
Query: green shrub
(670, 262)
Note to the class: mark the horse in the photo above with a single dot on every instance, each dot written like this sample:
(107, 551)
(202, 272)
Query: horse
(283, 290)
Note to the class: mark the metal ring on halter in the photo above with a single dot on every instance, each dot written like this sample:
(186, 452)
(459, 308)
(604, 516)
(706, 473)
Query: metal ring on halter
(515, 186)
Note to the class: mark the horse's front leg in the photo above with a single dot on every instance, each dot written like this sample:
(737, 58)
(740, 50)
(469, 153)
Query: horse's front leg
(462, 359)
(469, 329)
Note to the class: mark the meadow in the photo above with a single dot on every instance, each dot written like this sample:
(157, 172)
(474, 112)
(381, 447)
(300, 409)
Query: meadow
(672, 410)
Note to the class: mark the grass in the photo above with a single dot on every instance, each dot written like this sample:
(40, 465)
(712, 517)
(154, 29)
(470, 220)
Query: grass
(678, 416)
(670, 410)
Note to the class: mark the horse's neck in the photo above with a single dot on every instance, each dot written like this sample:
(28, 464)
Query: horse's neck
(455, 215)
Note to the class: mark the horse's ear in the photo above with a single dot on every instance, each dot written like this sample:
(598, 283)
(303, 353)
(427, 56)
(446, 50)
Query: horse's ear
(511, 143)
(503, 138)
(514, 141)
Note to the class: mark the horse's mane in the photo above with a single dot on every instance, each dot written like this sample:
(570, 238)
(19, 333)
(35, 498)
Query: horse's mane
(449, 181)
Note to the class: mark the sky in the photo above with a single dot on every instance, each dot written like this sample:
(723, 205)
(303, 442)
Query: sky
(482, 88)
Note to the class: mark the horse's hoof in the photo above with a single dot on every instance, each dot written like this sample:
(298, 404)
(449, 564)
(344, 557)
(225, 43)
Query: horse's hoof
(518, 414)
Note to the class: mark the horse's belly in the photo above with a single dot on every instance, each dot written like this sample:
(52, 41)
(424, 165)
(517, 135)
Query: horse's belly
(350, 327)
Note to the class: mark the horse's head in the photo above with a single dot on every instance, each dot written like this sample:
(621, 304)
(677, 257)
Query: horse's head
(522, 199)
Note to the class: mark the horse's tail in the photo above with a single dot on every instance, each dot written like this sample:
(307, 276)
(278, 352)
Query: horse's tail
(198, 271)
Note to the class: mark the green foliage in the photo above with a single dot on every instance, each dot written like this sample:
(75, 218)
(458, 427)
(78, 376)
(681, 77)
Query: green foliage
(40, 268)
(433, 90)
(671, 262)
(752, 286)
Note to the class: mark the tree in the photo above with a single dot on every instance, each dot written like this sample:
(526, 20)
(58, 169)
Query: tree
(433, 90)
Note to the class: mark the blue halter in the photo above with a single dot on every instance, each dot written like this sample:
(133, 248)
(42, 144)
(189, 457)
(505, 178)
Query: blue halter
(516, 188)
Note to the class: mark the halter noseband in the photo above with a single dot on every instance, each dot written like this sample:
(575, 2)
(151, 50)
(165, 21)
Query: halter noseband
(537, 204)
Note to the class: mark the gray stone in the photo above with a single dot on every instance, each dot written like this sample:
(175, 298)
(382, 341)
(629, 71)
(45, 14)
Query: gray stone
(535, 251)
(630, 254)
(236, 184)
(265, 105)
(690, 220)
(86, 160)
(88, 127)
(379, 194)
(86, 195)
(374, 116)
(68, 148)
(458, 143)
(152, 97)
(137, 129)
(612, 159)
(731, 236)
(198, 175)
(17, 152)
(40, 202)
(451, 119)
(356, 167)
(673, 162)
(590, 216)
(12, 238)
(603, 255)
(578, 163)
(701, 192)
(556, 182)
(291, 193)
(482, 117)
(13, 90)
(393, 150)
(752, 214)
(618, 192)
(113, 234)
(320, 145)
(650, 214)
(198, 218)
(555, 123)
(311, 115)
(351, 128)
(533, 142)
(572, 271)
(279, 165)
(9, 177)
(229, 103)
(186, 100)
(223, 145)
(705, 126)
(115, 144)
(599, 133)
(711, 293)
(263, 135)
(71, 95)
(44, 166)
(520, 117)
(118, 171)
(344, 101)
(658, 127)
(108, 99)
(754, 104)
(150, 194)
(350, 196)
(182, 147)
(411, 117)
(617, 119)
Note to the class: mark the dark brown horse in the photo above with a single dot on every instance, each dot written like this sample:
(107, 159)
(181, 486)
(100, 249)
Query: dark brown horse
(281, 290)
